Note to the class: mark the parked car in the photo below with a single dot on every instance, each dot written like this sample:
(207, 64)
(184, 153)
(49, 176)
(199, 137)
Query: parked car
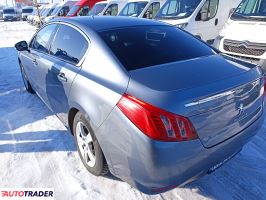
(142, 8)
(11, 14)
(202, 18)
(81, 8)
(172, 110)
(109, 8)
(243, 36)
(60, 10)
(26, 11)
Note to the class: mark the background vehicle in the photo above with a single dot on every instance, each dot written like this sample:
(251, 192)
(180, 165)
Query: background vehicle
(243, 36)
(133, 8)
(60, 10)
(26, 11)
(43, 11)
(81, 8)
(173, 109)
(30, 16)
(11, 14)
(202, 18)
(110, 8)
(141, 8)
(1, 14)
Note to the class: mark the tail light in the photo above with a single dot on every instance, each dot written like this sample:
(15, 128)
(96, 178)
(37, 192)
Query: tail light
(156, 123)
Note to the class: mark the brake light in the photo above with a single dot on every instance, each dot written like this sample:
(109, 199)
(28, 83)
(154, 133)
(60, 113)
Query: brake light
(156, 123)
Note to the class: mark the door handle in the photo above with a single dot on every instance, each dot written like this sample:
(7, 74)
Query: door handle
(35, 62)
(61, 77)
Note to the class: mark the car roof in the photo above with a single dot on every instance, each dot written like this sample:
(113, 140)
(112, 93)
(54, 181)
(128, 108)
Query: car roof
(100, 23)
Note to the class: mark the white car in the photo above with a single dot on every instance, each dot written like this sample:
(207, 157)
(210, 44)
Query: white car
(244, 35)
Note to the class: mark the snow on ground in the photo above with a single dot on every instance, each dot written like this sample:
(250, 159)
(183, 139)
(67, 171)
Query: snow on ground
(36, 150)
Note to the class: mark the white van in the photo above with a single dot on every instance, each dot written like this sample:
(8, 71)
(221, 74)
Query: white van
(244, 35)
(142, 8)
(11, 14)
(26, 11)
(202, 18)
(109, 8)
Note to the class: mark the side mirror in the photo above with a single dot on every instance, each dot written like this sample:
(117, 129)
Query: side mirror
(204, 16)
(22, 46)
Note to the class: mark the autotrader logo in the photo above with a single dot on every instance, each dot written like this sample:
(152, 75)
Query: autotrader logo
(26, 193)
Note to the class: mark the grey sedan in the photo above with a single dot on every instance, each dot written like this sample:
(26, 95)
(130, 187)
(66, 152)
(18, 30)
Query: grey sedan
(144, 100)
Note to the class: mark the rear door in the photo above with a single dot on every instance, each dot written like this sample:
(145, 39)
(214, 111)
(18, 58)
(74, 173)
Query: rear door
(66, 53)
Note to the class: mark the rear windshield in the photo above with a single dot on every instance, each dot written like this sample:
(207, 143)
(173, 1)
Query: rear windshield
(27, 10)
(144, 46)
(9, 11)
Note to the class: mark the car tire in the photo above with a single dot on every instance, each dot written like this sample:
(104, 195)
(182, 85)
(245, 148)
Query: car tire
(26, 80)
(88, 146)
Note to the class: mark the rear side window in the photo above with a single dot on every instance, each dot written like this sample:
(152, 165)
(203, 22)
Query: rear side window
(69, 44)
(41, 41)
(144, 46)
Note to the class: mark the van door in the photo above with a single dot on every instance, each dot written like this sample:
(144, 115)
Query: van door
(151, 11)
(208, 21)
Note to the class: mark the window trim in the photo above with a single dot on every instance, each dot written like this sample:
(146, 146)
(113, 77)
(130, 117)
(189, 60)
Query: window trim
(52, 40)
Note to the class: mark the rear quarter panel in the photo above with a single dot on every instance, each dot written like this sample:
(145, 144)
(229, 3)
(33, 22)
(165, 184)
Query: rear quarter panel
(99, 85)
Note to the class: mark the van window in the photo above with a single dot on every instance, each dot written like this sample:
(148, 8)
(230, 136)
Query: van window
(9, 11)
(133, 8)
(73, 10)
(63, 11)
(177, 9)
(210, 7)
(140, 47)
(69, 44)
(41, 41)
(97, 8)
(27, 10)
(112, 10)
(84, 11)
(251, 10)
(152, 10)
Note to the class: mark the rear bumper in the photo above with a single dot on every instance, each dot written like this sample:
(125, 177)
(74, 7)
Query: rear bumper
(154, 167)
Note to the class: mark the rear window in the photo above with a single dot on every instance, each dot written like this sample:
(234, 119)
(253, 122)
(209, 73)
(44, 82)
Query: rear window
(144, 46)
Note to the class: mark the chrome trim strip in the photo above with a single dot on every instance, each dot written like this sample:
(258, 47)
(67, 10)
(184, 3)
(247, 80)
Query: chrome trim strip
(211, 98)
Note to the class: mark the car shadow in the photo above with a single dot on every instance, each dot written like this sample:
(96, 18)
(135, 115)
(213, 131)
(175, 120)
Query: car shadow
(41, 141)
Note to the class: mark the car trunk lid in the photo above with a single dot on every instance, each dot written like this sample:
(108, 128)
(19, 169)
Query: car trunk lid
(220, 96)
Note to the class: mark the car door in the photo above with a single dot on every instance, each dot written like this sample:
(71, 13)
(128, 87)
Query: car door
(35, 60)
(66, 53)
(208, 27)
